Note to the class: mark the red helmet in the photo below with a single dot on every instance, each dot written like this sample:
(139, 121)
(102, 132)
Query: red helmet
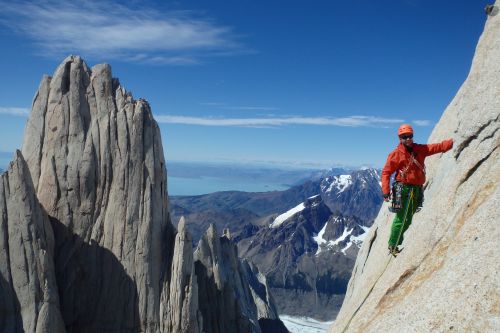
(405, 129)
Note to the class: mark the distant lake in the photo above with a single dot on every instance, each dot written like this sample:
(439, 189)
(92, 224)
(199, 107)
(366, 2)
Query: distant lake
(185, 178)
(204, 185)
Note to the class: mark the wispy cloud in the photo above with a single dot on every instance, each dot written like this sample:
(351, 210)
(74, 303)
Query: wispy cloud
(422, 122)
(251, 108)
(352, 121)
(224, 106)
(13, 111)
(113, 30)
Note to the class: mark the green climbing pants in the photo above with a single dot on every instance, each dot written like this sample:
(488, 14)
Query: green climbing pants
(409, 203)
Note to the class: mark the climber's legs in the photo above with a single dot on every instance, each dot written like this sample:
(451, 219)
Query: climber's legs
(403, 218)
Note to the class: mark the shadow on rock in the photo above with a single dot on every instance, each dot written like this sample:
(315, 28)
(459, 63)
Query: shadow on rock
(96, 293)
(10, 314)
(220, 309)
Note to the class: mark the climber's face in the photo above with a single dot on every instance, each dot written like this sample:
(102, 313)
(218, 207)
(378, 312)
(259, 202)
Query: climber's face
(406, 139)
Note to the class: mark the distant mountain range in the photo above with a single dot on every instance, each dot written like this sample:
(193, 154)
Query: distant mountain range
(234, 171)
(305, 239)
(197, 178)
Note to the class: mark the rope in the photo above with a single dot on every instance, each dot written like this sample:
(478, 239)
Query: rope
(410, 197)
(366, 297)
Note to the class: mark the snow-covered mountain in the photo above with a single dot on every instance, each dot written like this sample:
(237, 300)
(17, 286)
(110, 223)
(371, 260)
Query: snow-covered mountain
(280, 219)
(338, 233)
(357, 193)
(307, 251)
(353, 233)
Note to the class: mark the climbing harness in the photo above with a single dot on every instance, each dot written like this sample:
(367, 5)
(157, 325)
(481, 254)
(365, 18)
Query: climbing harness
(396, 204)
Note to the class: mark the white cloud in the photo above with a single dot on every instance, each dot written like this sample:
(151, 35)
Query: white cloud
(21, 112)
(112, 30)
(224, 106)
(353, 121)
(422, 122)
(250, 108)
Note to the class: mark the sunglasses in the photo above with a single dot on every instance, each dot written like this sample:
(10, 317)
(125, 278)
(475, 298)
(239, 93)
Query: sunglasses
(406, 137)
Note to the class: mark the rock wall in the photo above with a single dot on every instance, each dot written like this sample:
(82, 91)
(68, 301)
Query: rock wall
(96, 160)
(446, 278)
(88, 245)
(30, 300)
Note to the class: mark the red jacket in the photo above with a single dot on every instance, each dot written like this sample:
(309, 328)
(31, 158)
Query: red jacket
(409, 171)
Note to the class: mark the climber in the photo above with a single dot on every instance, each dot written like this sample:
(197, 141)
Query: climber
(407, 161)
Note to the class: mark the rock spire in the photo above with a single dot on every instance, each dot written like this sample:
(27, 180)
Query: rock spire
(85, 231)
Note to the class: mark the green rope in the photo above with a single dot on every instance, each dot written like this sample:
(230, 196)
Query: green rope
(366, 297)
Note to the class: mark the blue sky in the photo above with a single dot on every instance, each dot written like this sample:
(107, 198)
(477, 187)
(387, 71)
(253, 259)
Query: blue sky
(300, 83)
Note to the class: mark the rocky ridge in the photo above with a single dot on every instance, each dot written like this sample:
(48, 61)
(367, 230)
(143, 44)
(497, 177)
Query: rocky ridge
(86, 235)
(446, 279)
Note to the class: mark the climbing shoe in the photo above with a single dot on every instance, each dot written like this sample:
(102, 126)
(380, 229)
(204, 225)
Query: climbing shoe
(394, 250)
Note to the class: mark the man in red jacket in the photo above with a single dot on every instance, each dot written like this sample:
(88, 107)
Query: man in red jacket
(407, 160)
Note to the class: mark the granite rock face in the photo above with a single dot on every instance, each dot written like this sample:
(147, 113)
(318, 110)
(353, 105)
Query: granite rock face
(96, 159)
(233, 295)
(182, 305)
(86, 237)
(446, 279)
(29, 299)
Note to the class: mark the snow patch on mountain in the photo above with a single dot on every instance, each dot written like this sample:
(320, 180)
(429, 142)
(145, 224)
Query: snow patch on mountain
(339, 183)
(348, 245)
(347, 234)
(285, 216)
(357, 240)
(297, 209)
(304, 324)
(319, 238)
(362, 236)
